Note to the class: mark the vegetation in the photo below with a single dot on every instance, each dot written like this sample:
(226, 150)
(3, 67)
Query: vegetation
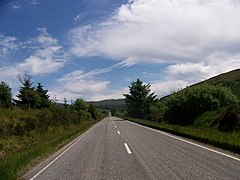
(34, 126)
(185, 106)
(208, 112)
(140, 99)
(5, 95)
(230, 80)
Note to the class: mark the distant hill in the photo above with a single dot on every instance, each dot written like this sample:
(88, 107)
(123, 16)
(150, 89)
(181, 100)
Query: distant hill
(110, 104)
(230, 79)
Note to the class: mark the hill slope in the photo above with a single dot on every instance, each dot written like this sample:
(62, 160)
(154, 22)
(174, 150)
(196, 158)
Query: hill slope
(230, 79)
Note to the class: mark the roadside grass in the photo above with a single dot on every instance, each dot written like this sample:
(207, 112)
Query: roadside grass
(35, 146)
(225, 140)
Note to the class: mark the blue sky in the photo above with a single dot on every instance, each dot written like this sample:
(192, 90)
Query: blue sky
(93, 49)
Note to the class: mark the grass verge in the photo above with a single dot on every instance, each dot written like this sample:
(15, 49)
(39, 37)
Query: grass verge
(227, 141)
(42, 145)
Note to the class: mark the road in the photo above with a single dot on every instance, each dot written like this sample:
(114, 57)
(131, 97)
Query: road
(118, 149)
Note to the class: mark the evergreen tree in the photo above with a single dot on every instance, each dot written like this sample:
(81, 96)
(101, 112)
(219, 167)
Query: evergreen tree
(27, 95)
(140, 99)
(43, 95)
(5, 95)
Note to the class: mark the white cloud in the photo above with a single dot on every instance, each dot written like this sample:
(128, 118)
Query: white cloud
(47, 56)
(34, 2)
(163, 31)
(78, 84)
(14, 5)
(184, 74)
(87, 85)
(198, 39)
(7, 44)
(79, 17)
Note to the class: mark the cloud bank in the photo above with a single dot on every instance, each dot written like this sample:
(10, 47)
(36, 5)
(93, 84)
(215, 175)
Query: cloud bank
(163, 31)
(196, 38)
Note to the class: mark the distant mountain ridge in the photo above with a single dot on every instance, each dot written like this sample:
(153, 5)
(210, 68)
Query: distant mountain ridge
(110, 104)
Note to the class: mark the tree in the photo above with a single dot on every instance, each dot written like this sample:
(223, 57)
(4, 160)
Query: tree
(139, 99)
(93, 111)
(44, 100)
(79, 104)
(5, 95)
(27, 95)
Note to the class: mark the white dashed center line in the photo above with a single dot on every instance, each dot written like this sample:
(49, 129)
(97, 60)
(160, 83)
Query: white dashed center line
(127, 148)
(118, 132)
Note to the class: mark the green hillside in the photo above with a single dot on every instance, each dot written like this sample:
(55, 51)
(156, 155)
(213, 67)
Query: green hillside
(230, 79)
(110, 104)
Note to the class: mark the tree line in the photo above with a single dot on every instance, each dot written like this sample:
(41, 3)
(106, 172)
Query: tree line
(28, 96)
(184, 106)
(34, 110)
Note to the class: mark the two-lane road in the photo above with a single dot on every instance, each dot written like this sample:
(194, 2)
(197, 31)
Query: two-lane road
(118, 149)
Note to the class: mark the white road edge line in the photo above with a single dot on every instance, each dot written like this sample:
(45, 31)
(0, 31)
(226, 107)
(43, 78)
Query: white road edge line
(127, 148)
(47, 166)
(118, 132)
(183, 140)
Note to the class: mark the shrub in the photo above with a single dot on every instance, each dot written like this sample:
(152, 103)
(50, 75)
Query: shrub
(185, 106)
(231, 120)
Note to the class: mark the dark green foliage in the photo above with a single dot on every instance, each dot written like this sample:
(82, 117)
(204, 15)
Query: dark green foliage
(139, 99)
(156, 111)
(27, 95)
(44, 100)
(5, 95)
(79, 104)
(230, 79)
(93, 111)
(231, 120)
(186, 105)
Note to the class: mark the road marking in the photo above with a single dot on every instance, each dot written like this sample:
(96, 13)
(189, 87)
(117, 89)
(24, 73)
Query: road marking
(183, 140)
(127, 148)
(115, 126)
(47, 166)
(118, 132)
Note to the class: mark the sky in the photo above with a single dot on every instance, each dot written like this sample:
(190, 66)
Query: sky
(94, 49)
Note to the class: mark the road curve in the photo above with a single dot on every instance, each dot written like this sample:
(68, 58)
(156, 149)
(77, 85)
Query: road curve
(119, 149)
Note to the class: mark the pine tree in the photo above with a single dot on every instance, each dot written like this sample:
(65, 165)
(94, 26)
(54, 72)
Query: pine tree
(140, 99)
(5, 95)
(27, 95)
(43, 95)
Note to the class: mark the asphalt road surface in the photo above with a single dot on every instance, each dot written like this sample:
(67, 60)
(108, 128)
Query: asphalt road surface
(118, 149)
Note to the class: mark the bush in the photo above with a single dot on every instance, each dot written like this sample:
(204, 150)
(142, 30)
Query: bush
(185, 106)
(156, 112)
(231, 120)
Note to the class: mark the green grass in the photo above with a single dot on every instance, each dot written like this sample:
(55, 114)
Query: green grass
(35, 146)
(228, 141)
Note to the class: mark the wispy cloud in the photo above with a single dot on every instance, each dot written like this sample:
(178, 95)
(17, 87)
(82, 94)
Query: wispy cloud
(34, 2)
(7, 44)
(14, 5)
(79, 17)
(46, 56)
(197, 39)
